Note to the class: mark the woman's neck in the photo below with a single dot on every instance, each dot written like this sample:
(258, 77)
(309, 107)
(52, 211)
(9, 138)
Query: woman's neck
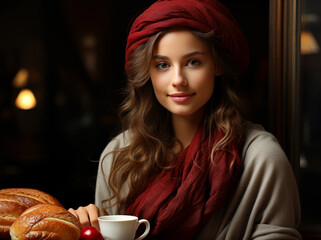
(185, 127)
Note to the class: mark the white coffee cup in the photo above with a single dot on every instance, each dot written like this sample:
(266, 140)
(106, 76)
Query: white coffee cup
(121, 227)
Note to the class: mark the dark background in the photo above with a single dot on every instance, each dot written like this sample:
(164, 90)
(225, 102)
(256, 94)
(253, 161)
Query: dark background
(74, 53)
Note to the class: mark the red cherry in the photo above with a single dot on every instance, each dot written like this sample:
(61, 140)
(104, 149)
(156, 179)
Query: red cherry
(90, 233)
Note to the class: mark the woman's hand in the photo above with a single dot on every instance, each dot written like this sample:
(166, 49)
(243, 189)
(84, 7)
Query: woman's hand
(88, 216)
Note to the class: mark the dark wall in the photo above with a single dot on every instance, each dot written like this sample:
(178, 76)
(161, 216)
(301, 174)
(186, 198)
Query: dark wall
(74, 51)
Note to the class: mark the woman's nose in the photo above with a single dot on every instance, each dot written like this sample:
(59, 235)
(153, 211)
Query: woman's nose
(179, 78)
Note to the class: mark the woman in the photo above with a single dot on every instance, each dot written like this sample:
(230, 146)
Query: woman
(187, 160)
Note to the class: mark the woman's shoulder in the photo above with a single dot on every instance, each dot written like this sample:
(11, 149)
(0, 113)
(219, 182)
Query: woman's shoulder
(109, 153)
(262, 148)
(266, 194)
(119, 141)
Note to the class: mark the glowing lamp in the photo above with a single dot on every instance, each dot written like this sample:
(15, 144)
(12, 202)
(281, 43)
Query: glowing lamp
(21, 78)
(26, 100)
(309, 44)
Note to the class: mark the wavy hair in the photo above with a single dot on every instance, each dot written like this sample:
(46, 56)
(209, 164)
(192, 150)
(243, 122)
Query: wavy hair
(149, 124)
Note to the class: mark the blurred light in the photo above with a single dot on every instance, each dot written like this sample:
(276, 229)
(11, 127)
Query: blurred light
(309, 18)
(89, 42)
(309, 44)
(303, 161)
(26, 99)
(20, 80)
(89, 53)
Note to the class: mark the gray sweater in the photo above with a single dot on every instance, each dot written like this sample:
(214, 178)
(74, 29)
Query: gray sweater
(264, 205)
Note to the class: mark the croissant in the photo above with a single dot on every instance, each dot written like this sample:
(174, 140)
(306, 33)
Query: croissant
(46, 221)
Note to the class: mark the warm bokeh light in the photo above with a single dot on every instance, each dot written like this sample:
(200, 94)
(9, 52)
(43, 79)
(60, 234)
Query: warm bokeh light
(20, 80)
(309, 44)
(26, 99)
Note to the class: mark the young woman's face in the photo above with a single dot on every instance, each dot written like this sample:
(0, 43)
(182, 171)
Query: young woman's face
(182, 71)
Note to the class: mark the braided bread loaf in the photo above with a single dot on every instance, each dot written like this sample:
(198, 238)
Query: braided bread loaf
(46, 221)
(14, 201)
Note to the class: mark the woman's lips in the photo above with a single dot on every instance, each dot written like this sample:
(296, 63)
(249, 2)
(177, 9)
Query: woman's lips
(180, 97)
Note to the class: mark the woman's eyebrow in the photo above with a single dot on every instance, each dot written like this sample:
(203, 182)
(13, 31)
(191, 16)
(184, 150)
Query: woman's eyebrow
(162, 57)
(193, 54)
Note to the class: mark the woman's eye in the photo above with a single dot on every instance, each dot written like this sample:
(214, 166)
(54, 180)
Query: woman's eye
(162, 65)
(194, 63)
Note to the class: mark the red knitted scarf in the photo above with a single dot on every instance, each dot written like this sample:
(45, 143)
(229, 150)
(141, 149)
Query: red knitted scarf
(182, 199)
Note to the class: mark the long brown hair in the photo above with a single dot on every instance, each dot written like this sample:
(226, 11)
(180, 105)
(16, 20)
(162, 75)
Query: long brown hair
(148, 123)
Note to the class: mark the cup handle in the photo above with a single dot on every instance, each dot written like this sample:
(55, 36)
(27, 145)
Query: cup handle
(146, 230)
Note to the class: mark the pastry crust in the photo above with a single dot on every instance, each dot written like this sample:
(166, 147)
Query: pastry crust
(10, 210)
(14, 201)
(30, 197)
(46, 221)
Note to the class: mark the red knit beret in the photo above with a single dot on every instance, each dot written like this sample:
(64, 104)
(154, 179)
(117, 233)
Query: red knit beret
(202, 15)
